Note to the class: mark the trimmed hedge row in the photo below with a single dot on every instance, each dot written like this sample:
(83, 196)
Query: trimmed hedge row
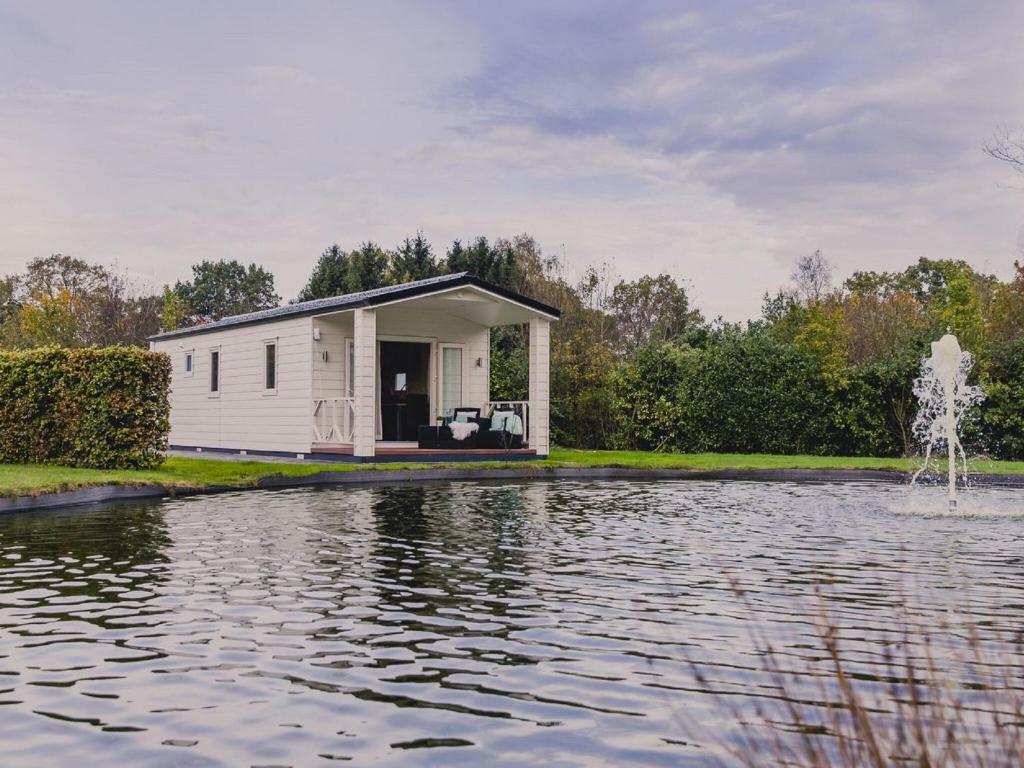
(106, 408)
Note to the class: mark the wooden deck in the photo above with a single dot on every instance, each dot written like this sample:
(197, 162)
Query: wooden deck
(410, 452)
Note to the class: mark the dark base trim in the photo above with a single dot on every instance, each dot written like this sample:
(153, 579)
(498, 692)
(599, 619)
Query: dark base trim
(413, 456)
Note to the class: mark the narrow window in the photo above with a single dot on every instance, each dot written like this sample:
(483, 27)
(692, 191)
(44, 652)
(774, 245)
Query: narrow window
(188, 362)
(271, 367)
(215, 370)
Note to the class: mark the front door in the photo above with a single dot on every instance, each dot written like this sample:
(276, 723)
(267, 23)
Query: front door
(404, 387)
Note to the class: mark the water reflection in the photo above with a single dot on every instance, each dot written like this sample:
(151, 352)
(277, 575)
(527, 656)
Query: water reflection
(498, 624)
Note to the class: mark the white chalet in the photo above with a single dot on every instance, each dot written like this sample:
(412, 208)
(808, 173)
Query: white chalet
(354, 377)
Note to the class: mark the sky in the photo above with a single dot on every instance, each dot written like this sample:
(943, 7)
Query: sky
(716, 141)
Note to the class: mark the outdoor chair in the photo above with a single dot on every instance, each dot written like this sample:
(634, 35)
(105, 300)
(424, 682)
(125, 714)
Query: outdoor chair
(504, 430)
(441, 436)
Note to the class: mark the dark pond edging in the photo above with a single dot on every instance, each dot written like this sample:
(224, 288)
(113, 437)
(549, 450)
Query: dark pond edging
(107, 493)
(95, 495)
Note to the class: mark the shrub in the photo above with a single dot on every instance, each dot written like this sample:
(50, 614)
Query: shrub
(874, 410)
(105, 408)
(649, 398)
(752, 393)
(1002, 420)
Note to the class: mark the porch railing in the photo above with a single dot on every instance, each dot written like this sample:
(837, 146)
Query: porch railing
(334, 420)
(521, 408)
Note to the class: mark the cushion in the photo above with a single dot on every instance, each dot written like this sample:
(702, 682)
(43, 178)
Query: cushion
(500, 420)
(514, 424)
(466, 414)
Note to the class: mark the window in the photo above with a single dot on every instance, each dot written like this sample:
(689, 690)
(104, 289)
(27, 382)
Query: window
(270, 366)
(451, 379)
(189, 362)
(215, 370)
(350, 358)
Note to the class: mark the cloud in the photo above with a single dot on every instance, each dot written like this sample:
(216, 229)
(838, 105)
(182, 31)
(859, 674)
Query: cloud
(716, 143)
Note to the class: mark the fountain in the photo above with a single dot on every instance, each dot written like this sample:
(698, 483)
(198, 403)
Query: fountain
(944, 398)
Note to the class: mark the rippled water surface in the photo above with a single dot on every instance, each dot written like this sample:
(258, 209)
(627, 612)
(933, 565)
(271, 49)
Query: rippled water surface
(464, 624)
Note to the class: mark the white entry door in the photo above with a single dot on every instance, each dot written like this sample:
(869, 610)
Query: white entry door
(451, 377)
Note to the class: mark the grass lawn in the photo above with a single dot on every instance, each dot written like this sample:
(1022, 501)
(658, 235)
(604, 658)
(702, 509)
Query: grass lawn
(180, 472)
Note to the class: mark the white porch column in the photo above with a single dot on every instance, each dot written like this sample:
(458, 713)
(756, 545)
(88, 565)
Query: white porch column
(364, 343)
(540, 356)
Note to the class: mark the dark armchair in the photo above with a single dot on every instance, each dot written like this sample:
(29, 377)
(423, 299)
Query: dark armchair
(505, 429)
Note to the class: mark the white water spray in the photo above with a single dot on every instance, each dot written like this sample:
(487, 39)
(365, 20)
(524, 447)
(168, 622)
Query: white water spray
(944, 398)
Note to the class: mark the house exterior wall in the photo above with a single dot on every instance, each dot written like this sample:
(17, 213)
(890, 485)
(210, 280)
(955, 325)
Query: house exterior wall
(243, 415)
(329, 375)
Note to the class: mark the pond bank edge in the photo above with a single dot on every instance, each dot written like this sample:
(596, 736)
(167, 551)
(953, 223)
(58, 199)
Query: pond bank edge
(107, 493)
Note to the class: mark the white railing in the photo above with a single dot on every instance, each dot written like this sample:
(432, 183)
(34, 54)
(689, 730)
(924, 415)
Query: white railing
(521, 407)
(334, 420)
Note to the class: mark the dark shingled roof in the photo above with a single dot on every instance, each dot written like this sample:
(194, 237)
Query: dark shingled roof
(362, 299)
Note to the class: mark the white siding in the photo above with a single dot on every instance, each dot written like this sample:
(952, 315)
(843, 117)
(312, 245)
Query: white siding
(329, 374)
(365, 336)
(243, 415)
(540, 356)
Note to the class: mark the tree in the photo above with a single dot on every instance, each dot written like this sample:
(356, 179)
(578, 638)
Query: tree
(824, 335)
(223, 288)
(51, 320)
(172, 310)
(1006, 311)
(119, 314)
(8, 298)
(582, 361)
(47, 276)
(495, 264)
(414, 260)
(650, 310)
(65, 301)
(367, 268)
(960, 311)
(878, 324)
(330, 276)
(812, 278)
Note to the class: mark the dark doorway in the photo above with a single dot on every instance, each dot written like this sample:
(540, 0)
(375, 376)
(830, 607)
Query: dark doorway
(404, 388)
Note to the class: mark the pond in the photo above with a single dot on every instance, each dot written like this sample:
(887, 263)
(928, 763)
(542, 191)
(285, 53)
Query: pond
(454, 624)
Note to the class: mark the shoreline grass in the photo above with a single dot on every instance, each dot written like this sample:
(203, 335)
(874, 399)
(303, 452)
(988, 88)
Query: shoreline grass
(196, 473)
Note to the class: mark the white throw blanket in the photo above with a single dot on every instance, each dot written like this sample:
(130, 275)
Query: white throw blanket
(463, 429)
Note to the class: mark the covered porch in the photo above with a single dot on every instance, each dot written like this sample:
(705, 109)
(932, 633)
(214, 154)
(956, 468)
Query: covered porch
(382, 373)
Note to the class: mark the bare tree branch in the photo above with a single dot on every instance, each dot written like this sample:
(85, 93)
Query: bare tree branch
(1007, 146)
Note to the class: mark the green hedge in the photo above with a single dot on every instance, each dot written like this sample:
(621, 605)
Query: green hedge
(752, 393)
(104, 408)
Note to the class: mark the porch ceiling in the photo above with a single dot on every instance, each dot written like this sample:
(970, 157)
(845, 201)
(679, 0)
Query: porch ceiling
(466, 302)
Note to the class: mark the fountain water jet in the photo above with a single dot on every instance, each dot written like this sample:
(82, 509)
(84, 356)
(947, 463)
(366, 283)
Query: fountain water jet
(944, 398)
